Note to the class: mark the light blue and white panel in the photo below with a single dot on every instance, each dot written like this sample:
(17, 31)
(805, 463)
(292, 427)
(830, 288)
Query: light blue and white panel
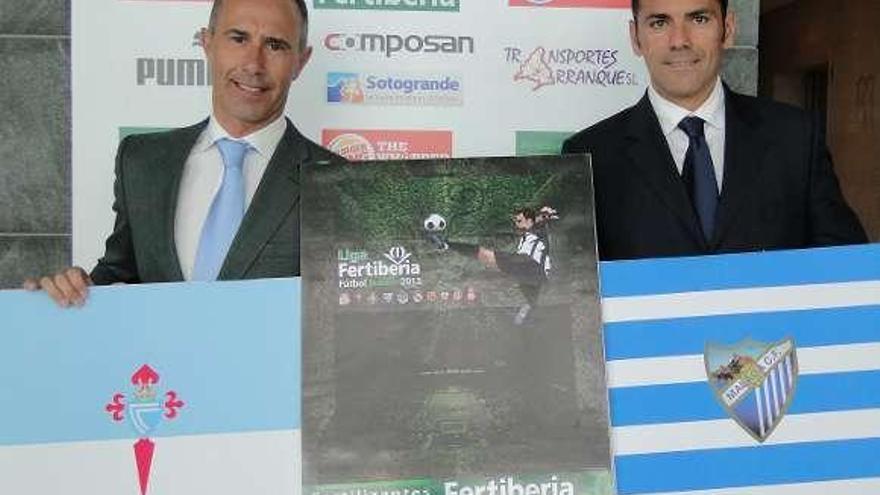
(230, 352)
(670, 433)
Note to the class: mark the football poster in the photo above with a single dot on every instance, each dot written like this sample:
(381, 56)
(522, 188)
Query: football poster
(452, 337)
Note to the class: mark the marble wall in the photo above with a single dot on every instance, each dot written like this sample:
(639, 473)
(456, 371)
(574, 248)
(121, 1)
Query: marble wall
(35, 133)
(34, 138)
(741, 62)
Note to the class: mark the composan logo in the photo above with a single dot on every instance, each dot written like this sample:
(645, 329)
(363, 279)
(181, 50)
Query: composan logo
(609, 4)
(541, 67)
(391, 44)
(394, 89)
(360, 144)
(418, 5)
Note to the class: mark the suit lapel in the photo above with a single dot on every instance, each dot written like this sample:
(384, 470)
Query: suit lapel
(743, 150)
(650, 154)
(169, 163)
(277, 193)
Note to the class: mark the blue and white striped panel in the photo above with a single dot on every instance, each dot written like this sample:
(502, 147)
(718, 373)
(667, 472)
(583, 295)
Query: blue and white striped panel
(670, 434)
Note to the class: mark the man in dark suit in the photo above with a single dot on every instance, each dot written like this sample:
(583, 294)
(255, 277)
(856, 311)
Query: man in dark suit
(220, 199)
(694, 168)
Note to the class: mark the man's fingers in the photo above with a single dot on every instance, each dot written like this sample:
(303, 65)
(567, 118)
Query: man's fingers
(68, 291)
(80, 281)
(67, 287)
(74, 284)
(48, 285)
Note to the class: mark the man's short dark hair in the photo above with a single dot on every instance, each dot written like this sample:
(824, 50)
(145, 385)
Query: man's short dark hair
(300, 6)
(527, 212)
(636, 5)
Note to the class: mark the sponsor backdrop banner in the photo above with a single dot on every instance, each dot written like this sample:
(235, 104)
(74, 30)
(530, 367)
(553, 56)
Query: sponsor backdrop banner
(401, 78)
(453, 342)
(117, 397)
(746, 374)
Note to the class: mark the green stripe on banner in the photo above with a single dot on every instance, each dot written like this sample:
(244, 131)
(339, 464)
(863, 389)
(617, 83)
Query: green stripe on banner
(535, 143)
(588, 482)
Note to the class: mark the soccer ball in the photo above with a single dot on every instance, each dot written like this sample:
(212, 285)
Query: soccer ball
(434, 223)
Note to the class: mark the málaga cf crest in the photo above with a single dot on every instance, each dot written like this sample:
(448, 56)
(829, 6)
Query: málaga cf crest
(754, 381)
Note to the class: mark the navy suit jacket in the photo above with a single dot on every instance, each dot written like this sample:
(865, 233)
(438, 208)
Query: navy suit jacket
(779, 190)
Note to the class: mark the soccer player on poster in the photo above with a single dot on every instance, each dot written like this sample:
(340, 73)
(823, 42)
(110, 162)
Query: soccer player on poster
(529, 264)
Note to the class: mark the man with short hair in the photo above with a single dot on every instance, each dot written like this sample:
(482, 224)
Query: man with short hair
(695, 168)
(220, 199)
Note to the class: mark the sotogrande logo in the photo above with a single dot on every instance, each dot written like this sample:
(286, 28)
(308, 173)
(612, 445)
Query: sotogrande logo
(418, 5)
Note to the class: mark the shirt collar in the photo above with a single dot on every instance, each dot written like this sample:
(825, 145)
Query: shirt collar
(262, 140)
(669, 114)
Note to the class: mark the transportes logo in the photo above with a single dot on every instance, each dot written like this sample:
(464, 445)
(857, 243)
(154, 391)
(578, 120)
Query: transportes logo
(539, 67)
(398, 90)
(418, 5)
(359, 144)
(390, 45)
(608, 4)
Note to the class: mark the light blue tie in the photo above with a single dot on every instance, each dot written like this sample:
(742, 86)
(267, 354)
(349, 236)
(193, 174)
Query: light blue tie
(225, 214)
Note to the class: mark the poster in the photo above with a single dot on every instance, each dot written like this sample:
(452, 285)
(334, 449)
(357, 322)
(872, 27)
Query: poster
(453, 342)
(749, 374)
(152, 389)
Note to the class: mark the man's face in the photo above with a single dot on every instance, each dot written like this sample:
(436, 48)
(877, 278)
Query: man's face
(682, 42)
(254, 52)
(522, 222)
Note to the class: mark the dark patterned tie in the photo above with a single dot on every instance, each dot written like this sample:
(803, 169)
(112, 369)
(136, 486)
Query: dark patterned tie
(699, 175)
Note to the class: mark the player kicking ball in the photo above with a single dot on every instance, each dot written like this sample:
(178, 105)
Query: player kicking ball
(529, 264)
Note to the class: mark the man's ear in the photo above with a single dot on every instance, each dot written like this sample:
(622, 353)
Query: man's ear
(729, 29)
(205, 39)
(634, 37)
(304, 58)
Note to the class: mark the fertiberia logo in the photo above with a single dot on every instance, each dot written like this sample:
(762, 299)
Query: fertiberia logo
(417, 5)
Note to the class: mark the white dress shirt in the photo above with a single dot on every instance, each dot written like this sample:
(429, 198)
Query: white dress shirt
(711, 111)
(202, 176)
